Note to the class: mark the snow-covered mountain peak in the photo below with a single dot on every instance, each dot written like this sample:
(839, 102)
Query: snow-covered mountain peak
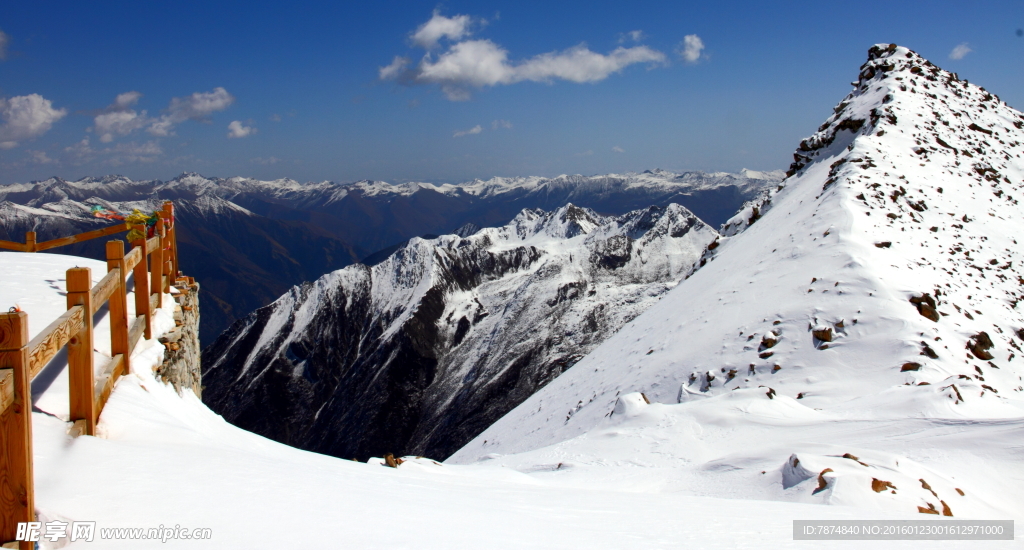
(902, 101)
(879, 282)
(564, 223)
(451, 331)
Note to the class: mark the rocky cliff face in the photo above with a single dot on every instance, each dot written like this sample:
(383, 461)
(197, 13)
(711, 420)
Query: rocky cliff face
(182, 364)
(419, 353)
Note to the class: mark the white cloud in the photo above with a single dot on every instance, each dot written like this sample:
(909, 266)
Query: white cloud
(5, 39)
(162, 127)
(579, 64)
(121, 123)
(473, 62)
(81, 151)
(438, 27)
(237, 130)
(275, 117)
(477, 63)
(586, 153)
(474, 130)
(691, 48)
(395, 70)
(127, 153)
(127, 99)
(634, 36)
(39, 157)
(618, 149)
(26, 117)
(500, 124)
(122, 153)
(119, 118)
(198, 106)
(960, 51)
(265, 161)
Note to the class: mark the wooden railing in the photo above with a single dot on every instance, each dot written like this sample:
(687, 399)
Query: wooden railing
(21, 360)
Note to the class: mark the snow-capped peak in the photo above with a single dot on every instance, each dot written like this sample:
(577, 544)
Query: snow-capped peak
(880, 282)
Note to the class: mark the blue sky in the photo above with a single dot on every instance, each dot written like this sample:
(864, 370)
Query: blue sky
(451, 91)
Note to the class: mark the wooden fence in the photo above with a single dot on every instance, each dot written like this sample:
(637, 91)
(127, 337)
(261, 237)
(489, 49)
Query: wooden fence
(21, 360)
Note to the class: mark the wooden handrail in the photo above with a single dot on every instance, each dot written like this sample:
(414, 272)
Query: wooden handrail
(166, 214)
(105, 384)
(6, 389)
(30, 244)
(53, 338)
(136, 331)
(11, 245)
(104, 289)
(21, 360)
(132, 259)
(88, 235)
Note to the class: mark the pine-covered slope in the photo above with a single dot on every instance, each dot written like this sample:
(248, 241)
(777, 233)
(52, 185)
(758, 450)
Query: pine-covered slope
(856, 339)
(424, 350)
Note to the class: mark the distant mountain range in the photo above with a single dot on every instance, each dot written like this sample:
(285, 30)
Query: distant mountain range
(249, 241)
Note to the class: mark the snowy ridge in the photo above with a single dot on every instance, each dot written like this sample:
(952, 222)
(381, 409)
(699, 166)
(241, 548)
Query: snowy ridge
(870, 297)
(117, 187)
(471, 325)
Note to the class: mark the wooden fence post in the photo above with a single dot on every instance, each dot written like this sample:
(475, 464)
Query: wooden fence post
(30, 241)
(81, 376)
(118, 303)
(156, 265)
(172, 234)
(141, 274)
(17, 498)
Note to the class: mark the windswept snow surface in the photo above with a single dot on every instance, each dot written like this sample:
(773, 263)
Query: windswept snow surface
(867, 307)
(164, 459)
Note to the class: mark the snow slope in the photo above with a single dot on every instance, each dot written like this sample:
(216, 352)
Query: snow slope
(866, 307)
(164, 459)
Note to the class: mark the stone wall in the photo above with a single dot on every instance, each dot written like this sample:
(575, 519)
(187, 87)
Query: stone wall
(181, 366)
